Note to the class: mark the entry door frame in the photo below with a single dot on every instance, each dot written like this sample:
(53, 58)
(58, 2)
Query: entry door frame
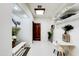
(39, 39)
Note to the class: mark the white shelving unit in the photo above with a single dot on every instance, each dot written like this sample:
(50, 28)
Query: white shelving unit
(69, 46)
(66, 44)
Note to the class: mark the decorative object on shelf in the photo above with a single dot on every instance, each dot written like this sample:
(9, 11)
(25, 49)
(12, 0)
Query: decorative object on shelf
(52, 28)
(14, 41)
(66, 36)
(16, 23)
(15, 31)
(68, 27)
(59, 53)
(50, 33)
(54, 50)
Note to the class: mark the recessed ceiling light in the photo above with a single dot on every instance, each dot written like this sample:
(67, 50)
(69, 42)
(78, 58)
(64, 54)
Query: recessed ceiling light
(39, 10)
(24, 15)
(16, 7)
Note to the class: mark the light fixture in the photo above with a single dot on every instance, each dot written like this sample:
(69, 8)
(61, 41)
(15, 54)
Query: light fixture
(16, 8)
(39, 10)
(24, 15)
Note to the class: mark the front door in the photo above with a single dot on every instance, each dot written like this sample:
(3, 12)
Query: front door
(36, 31)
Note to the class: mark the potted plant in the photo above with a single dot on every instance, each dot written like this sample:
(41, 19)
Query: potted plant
(49, 35)
(68, 27)
(15, 31)
(66, 36)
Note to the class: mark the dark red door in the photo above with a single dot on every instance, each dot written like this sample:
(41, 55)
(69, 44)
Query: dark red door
(36, 31)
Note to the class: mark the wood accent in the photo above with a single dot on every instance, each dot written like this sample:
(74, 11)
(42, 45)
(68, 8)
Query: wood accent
(36, 31)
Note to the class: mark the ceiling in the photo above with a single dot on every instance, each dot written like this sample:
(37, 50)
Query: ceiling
(51, 9)
(74, 8)
(18, 11)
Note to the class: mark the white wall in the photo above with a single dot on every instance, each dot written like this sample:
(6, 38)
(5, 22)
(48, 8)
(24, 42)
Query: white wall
(26, 10)
(5, 30)
(45, 27)
(74, 34)
(25, 33)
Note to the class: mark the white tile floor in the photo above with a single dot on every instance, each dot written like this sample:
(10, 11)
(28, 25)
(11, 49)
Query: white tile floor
(39, 48)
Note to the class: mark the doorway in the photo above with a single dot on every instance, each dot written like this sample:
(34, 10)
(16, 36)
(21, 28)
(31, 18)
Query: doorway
(36, 31)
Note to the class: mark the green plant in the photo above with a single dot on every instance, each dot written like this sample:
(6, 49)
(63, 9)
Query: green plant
(15, 31)
(68, 27)
(49, 35)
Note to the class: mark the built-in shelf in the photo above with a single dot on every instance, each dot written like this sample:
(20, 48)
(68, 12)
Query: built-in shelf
(19, 49)
(66, 44)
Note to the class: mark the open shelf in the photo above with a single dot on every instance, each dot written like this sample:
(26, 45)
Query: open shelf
(66, 44)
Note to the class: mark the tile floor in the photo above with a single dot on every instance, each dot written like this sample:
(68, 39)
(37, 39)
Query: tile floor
(39, 48)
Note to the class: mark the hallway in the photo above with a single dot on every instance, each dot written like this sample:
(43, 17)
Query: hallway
(59, 24)
(39, 48)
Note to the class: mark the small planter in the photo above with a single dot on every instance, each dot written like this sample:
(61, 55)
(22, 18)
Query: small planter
(66, 36)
